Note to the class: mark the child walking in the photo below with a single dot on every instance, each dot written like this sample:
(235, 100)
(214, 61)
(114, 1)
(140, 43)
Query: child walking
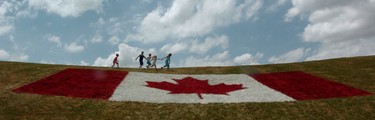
(154, 59)
(141, 56)
(148, 61)
(115, 61)
(167, 61)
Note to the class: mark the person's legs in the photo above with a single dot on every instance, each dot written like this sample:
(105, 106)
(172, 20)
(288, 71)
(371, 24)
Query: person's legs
(148, 64)
(140, 64)
(166, 65)
(153, 64)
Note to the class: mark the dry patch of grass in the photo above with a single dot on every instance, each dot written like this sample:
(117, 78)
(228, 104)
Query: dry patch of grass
(358, 72)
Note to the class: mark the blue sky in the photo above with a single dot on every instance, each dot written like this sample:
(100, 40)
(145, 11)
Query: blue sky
(196, 32)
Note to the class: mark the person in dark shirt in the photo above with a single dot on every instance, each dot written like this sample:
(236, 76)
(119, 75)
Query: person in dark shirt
(141, 56)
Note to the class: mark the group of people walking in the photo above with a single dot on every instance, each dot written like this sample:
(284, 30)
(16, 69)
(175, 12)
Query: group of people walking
(151, 60)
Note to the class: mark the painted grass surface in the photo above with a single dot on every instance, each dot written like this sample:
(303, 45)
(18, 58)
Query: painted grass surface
(82, 83)
(357, 72)
(303, 86)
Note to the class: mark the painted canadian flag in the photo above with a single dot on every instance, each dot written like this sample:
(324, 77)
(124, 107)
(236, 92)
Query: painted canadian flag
(183, 88)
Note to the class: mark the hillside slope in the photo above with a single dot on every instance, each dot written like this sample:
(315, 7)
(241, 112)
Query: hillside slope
(357, 72)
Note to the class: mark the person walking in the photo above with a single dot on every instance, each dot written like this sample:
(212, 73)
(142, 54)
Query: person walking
(115, 61)
(141, 56)
(167, 61)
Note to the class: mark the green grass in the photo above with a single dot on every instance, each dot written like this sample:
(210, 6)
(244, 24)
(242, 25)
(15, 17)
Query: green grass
(358, 72)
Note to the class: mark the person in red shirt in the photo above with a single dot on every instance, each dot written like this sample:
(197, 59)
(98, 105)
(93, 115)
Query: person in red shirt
(115, 61)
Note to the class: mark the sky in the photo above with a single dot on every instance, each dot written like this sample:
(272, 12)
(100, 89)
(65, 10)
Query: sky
(196, 32)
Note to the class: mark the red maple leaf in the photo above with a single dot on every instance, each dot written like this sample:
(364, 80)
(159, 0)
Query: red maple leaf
(191, 85)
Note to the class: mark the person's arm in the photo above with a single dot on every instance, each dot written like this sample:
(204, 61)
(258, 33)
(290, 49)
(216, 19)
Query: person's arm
(163, 58)
(137, 57)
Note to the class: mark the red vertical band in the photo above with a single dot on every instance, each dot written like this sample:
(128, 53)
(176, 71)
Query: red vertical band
(83, 83)
(303, 86)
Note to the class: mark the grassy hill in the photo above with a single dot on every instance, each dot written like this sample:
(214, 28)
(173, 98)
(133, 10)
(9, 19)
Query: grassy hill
(357, 72)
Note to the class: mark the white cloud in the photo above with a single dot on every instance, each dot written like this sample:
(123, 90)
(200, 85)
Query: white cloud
(10, 12)
(114, 27)
(146, 1)
(342, 27)
(46, 62)
(345, 49)
(191, 18)
(13, 9)
(54, 39)
(19, 57)
(83, 63)
(73, 48)
(306, 6)
(101, 21)
(5, 28)
(114, 40)
(219, 59)
(195, 46)
(276, 4)
(222, 59)
(4, 55)
(66, 8)
(251, 7)
(291, 56)
(4, 6)
(96, 39)
(248, 59)
(174, 48)
(338, 24)
(209, 43)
